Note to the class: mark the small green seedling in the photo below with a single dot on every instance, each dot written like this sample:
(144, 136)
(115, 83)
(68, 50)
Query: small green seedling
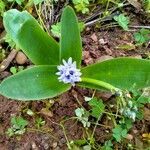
(81, 5)
(58, 66)
(10, 42)
(39, 122)
(14, 70)
(107, 146)
(141, 37)
(56, 29)
(97, 107)
(83, 117)
(120, 131)
(123, 21)
(18, 126)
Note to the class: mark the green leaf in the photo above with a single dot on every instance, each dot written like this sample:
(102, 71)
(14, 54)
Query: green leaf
(29, 36)
(119, 133)
(33, 84)
(56, 29)
(146, 4)
(107, 146)
(70, 42)
(123, 73)
(19, 122)
(122, 20)
(79, 112)
(11, 43)
(97, 107)
(2, 7)
(142, 36)
(36, 2)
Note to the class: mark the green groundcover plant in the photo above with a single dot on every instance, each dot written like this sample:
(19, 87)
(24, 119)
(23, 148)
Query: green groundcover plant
(58, 66)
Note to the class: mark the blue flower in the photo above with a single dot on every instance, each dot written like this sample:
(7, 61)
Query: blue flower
(68, 72)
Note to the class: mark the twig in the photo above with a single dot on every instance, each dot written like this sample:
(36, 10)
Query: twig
(105, 18)
(6, 62)
(145, 27)
(42, 131)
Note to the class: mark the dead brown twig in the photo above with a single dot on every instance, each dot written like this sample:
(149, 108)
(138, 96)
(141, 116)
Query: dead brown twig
(6, 62)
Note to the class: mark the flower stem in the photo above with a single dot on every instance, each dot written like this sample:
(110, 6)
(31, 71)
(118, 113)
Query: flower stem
(101, 84)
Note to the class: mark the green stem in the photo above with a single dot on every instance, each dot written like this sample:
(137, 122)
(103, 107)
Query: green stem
(101, 84)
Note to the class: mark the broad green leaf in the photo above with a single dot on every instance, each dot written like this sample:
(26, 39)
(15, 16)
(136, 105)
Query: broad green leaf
(33, 84)
(97, 107)
(29, 36)
(70, 41)
(123, 73)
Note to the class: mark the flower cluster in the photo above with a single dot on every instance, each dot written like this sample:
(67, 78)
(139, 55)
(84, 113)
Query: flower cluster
(130, 110)
(68, 72)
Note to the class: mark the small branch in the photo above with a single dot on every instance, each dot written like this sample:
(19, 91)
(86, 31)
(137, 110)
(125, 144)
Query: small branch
(140, 27)
(6, 62)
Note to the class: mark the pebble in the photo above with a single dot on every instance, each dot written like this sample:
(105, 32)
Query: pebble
(21, 58)
(135, 131)
(129, 137)
(87, 29)
(102, 42)
(54, 144)
(34, 146)
(94, 37)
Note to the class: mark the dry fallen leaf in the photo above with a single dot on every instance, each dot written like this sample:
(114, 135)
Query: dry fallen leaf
(146, 137)
(127, 46)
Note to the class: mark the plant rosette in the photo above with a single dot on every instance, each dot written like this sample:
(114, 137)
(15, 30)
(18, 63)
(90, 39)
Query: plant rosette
(58, 65)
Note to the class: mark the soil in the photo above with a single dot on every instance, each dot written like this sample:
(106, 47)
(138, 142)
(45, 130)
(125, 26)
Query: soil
(99, 45)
